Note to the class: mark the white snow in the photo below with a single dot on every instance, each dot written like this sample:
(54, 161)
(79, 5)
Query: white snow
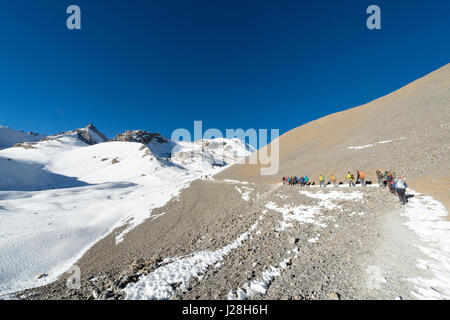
(9, 137)
(426, 217)
(59, 199)
(217, 152)
(302, 214)
(313, 240)
(312, 214)
(374, 144)
(160, 284)
(327, 199)
(262, 284)
(235, 181)
(361, 147)
(245, 192)
(333, 195)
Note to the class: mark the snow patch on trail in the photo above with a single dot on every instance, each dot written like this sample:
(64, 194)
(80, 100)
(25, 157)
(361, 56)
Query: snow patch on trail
(333, 195)
(302, 214)
(326, 199)
(163, 282)
(262, 284)
(245, 192)
(314, 240)
(426, 217)
(256, 286)
(312, 213)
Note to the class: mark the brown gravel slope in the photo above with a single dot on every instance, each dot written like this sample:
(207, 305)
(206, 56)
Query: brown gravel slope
(418, 113)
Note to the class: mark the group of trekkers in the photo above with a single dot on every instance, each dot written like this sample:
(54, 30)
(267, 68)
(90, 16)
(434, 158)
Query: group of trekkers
(305, 181)
(388, 179)
(294, 180)
(396, 185)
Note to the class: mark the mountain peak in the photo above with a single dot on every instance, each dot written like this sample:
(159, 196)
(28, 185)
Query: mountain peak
(141, 136)
(91, 135)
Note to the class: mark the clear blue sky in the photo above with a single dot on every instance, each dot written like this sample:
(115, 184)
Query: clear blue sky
(159, 65)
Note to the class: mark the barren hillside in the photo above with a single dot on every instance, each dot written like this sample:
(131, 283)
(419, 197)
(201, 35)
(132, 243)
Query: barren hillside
(406, 131)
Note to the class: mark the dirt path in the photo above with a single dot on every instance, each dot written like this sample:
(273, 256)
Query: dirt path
(257, 242)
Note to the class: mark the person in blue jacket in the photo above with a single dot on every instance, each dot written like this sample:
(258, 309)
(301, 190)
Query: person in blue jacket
(302, 181)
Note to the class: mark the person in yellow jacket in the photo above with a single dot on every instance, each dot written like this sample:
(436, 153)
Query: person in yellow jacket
(322, 180)
(350, 178)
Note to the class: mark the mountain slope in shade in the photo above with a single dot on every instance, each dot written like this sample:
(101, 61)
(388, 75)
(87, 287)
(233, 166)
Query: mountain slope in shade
(10, 137)
(406, 131)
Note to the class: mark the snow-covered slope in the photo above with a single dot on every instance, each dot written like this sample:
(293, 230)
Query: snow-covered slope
(9, 137)
(61, 195)
(217, 152)
(88, 135)
(199, 156)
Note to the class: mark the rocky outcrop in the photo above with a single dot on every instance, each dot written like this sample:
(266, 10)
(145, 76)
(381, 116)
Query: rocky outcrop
(91, 135)
(141, 136)
(25, 145)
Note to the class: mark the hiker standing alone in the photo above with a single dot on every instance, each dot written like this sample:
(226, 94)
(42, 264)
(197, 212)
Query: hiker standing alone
(400, 186)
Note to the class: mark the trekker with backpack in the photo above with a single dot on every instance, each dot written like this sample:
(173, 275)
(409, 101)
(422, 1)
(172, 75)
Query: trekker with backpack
(333, 180)
(360, 176)
(389, 177)
(322, 180)
(380, 179)
(400, 186)
(350, 178)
